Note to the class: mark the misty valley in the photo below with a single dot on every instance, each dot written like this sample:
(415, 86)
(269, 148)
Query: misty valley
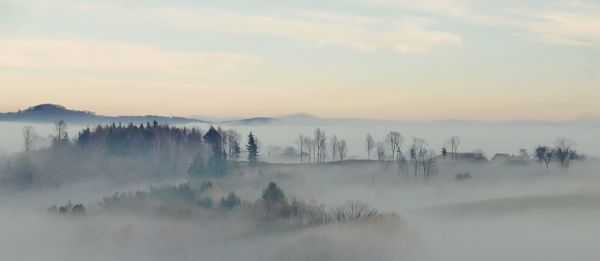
(222, 191)
(304, 130)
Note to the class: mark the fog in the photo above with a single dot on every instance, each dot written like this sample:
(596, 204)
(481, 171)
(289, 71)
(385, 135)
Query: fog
(502, 212)
(500, 137)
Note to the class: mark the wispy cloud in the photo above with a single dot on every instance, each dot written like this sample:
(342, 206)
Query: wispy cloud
(406, 34)
(85, 55)
(579, 26)
(362, 33)
(563, 22)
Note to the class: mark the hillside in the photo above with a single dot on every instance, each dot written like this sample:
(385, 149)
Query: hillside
(54, 112)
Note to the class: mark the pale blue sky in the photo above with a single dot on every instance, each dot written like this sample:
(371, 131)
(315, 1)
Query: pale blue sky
(391, 59)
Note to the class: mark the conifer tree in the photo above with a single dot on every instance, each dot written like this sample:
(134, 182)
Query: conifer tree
(252, 148)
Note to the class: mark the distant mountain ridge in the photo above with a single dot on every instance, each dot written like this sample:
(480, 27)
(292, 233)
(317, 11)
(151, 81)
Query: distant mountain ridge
(52, 112)
(47, 113)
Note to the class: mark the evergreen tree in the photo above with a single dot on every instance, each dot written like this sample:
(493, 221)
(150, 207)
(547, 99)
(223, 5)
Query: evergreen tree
(231, 201)
(252, 148)
(273, 195)
(217, 161)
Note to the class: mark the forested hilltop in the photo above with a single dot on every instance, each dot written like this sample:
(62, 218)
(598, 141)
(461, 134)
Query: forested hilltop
(50, 113)
(124, 152)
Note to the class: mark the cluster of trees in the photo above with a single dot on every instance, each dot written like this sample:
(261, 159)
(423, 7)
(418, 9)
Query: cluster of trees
(272, 208)
(160, 148)
(418, 154)
(69, 208)
(222, 153)
(316, 149)
(171, 199)
(276, 207)
(563, 152)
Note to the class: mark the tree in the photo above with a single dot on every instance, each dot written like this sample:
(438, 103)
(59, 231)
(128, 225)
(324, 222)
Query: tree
(300, 141)
(418, 148)
(428, 163)
(29, 137)
(543, 154)
(273, 195)
(310, 148)
(370, 145)
(401, 160)
(217, 160)
(61, 133)
(333, 143)
(214, 138)
(230, 201)
(394, 140)
(320, 141)
(380, 151)
(454, 142)
(342, 149)
(353, 210)
(564, 151)
(252, 148)
(233, 144)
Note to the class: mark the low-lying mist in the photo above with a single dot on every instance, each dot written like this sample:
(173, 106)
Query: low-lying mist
(501, 213)
(171, 194)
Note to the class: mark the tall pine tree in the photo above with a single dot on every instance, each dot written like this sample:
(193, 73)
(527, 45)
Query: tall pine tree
(252, 148)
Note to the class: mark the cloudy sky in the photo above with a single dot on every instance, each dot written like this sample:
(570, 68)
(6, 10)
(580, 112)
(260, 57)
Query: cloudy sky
(388, 59)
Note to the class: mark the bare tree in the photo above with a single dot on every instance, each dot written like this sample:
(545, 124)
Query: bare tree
(300, 142)
(543, 154)
(61, 132)
(454, 143)
(370, 145)
(380, 151)
(233, 138)
(320, 141)
(402, 163)
(310, 149)
(417, 149)
(333, 144)
(428, 163)
(394, 141)
(342, 149)
(565, 151)
(353, 210)
(29, 137)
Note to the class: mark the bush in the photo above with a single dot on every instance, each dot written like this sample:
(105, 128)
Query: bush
(231, 201)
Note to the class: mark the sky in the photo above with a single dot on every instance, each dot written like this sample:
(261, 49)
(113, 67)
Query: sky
(383, 59)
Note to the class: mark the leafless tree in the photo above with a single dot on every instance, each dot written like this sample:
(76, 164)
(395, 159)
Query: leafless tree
(233, 138)
(454, 143)
(30, 137)
(428, 163)
(61, 132)
(301, 145)
(333, 144)
(417, 153)
(342, 149)
(370, 145)
(394, 141)
(544, 154)
(320, 141)
(565, 151)
(310, 149)
(352, 211)
(402, 162)
(380, 151)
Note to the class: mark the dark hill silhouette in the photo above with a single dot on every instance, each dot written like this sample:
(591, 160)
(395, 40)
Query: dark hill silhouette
(53, 112)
